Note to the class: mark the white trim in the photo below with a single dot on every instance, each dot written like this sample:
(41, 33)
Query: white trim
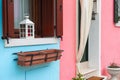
(98, 6)
(100, 12)
(26, 42)
(76, 27)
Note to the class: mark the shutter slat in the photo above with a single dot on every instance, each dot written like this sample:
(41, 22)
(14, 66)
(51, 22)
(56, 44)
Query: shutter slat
(10, 18)
(59, 27)
(36, 16)
(39, 17)
(47, 18)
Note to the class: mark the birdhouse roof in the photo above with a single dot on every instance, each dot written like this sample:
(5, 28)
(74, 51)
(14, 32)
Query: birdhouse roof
(26, 21)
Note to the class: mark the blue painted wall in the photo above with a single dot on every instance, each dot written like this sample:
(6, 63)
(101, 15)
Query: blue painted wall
(9, 70)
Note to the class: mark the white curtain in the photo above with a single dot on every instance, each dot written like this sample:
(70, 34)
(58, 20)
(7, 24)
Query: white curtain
(86, 14)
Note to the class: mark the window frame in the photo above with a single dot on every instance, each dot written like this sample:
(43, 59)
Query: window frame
(9, 33)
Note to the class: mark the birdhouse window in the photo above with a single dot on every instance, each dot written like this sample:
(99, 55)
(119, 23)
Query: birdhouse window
(47, 16)
(30, 30)
(22, 31)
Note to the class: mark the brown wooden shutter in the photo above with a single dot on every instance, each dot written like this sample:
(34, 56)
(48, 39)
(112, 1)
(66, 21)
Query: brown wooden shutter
(43, 17)
(8, 18)
(59, 27)
(36, 16)
(47, 18)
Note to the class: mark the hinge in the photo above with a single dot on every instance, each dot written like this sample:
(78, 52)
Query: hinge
(60, 37)
(55, 27)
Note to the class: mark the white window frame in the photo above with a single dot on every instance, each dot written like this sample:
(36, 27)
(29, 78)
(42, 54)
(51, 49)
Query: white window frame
(93, 65)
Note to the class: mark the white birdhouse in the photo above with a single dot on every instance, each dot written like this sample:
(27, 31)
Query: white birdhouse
(26, 28)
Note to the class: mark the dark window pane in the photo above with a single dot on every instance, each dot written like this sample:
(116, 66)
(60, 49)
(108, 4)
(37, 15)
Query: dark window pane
(85, 56)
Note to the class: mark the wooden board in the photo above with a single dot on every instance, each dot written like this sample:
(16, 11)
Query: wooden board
(95, 78)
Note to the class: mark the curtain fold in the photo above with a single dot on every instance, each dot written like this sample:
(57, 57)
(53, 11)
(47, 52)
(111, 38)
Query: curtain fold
(86, 14)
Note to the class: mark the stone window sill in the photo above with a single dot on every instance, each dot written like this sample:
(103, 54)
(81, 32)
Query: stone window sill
(26, 42)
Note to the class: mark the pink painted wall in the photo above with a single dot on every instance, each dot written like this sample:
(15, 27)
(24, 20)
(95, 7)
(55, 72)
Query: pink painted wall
(110, 36)
(67, 63)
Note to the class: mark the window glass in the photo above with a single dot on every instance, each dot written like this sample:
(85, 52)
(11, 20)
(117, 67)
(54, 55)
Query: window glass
(21, 8)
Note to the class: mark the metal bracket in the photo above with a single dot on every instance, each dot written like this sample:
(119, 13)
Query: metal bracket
(16, 59)
(14, 53)
(5, 38)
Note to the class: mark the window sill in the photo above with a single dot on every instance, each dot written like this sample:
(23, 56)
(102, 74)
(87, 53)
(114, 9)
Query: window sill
(117, 24)
(88, 71)
(26, 42)
(85, 69)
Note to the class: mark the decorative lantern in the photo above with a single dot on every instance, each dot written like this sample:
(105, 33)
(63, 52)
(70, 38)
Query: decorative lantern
(26, 28)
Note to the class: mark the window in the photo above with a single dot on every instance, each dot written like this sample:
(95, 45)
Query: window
(92, 66)
(46, 14)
